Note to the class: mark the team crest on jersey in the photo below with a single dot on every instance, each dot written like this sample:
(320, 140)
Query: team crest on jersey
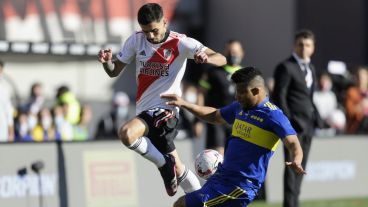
(168, 53)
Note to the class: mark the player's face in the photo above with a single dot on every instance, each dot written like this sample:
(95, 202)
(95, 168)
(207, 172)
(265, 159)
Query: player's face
(304, 47)
(155, 31)
(245, 96)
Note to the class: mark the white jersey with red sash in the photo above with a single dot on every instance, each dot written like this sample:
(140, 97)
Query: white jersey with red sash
(159, 67)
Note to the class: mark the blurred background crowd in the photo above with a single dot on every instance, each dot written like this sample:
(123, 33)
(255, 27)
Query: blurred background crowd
(341, 99)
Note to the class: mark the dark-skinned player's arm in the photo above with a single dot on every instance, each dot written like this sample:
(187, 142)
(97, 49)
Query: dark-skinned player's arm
(112, 67)
(208, 114)
(291, 142)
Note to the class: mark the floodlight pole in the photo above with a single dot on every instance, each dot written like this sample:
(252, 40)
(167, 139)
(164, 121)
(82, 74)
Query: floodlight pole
(37, 167)
(40, 194)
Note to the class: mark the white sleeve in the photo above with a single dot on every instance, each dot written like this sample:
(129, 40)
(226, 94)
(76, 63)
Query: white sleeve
(192, 46)
(128, 52)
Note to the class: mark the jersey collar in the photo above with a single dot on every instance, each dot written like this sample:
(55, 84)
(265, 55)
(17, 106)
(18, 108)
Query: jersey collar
(261, 105)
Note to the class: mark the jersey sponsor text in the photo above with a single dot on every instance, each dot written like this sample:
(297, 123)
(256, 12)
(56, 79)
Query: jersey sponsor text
(154, 68)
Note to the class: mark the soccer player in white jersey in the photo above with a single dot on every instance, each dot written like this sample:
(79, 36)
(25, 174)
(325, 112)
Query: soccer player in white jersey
(160, 56)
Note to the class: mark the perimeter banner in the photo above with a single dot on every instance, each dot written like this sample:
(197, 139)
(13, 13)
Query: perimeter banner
(39, 24)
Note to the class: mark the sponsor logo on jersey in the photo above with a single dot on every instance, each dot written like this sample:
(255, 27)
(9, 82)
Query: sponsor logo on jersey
(154, 68)
(242, 129)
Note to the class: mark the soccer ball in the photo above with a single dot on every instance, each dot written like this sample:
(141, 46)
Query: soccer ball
(206, 163)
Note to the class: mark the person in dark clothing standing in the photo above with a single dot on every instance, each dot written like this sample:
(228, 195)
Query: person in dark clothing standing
(109, 124)
(295, 80)
(220, 91)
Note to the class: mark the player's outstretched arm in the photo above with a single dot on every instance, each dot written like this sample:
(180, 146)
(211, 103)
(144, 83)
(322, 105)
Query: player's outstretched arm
(291, 142)
(208, 114)
(211, 57)
(112, 68)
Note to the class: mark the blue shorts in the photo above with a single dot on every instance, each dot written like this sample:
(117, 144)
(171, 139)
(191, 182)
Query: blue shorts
(220, 194)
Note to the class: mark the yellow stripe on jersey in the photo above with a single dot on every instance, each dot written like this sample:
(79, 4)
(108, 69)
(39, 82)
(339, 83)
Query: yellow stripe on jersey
(223, 198)
(255, 135)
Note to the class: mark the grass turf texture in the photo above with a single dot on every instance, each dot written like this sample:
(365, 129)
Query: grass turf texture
(353, 202)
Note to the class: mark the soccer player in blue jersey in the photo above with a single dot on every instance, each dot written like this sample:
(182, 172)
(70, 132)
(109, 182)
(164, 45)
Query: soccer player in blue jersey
(257, 128)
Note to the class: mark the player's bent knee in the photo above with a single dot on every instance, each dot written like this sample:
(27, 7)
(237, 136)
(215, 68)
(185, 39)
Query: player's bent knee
(180, 202)
(125, 135)
(131, 131)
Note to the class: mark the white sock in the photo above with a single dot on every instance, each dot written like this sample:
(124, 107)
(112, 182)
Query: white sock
(188, 181)
(144, 147)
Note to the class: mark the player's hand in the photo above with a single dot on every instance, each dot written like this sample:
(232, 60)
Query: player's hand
(297, 167)
(105, 55)
(200, 57)
(173, 100)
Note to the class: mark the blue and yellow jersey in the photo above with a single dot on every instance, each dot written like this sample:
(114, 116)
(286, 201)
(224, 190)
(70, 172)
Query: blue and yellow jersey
(255, 135)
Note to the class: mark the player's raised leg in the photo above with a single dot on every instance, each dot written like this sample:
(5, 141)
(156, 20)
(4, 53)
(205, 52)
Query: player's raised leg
(187, 180)
(132, 135)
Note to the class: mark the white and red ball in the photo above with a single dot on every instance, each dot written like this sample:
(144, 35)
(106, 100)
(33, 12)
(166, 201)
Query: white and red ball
(206, 163)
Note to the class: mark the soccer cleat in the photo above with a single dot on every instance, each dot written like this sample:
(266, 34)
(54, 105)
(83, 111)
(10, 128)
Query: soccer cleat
(168, 173)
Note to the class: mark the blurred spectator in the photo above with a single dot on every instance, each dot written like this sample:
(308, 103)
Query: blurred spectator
(270, 83)
(189, 126)
(6, 109)
(58, 116)
(109, 124)
(33, 108)
(32, 120)
(22, 129)
(36, 99)
(341, 79)
(45, 129)
(63, 126)
(220, 91)
(326, 103)
(81, 130)
(356, 103)
(70, 103)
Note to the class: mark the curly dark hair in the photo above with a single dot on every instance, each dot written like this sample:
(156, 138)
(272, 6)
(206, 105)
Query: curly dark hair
(149, 13)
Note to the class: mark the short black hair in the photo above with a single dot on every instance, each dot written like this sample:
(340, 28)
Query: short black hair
(305, 34)
(250, 76)
(61, 90)
(149, 13)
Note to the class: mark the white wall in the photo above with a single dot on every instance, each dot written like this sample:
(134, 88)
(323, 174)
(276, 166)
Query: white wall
(336, 168)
